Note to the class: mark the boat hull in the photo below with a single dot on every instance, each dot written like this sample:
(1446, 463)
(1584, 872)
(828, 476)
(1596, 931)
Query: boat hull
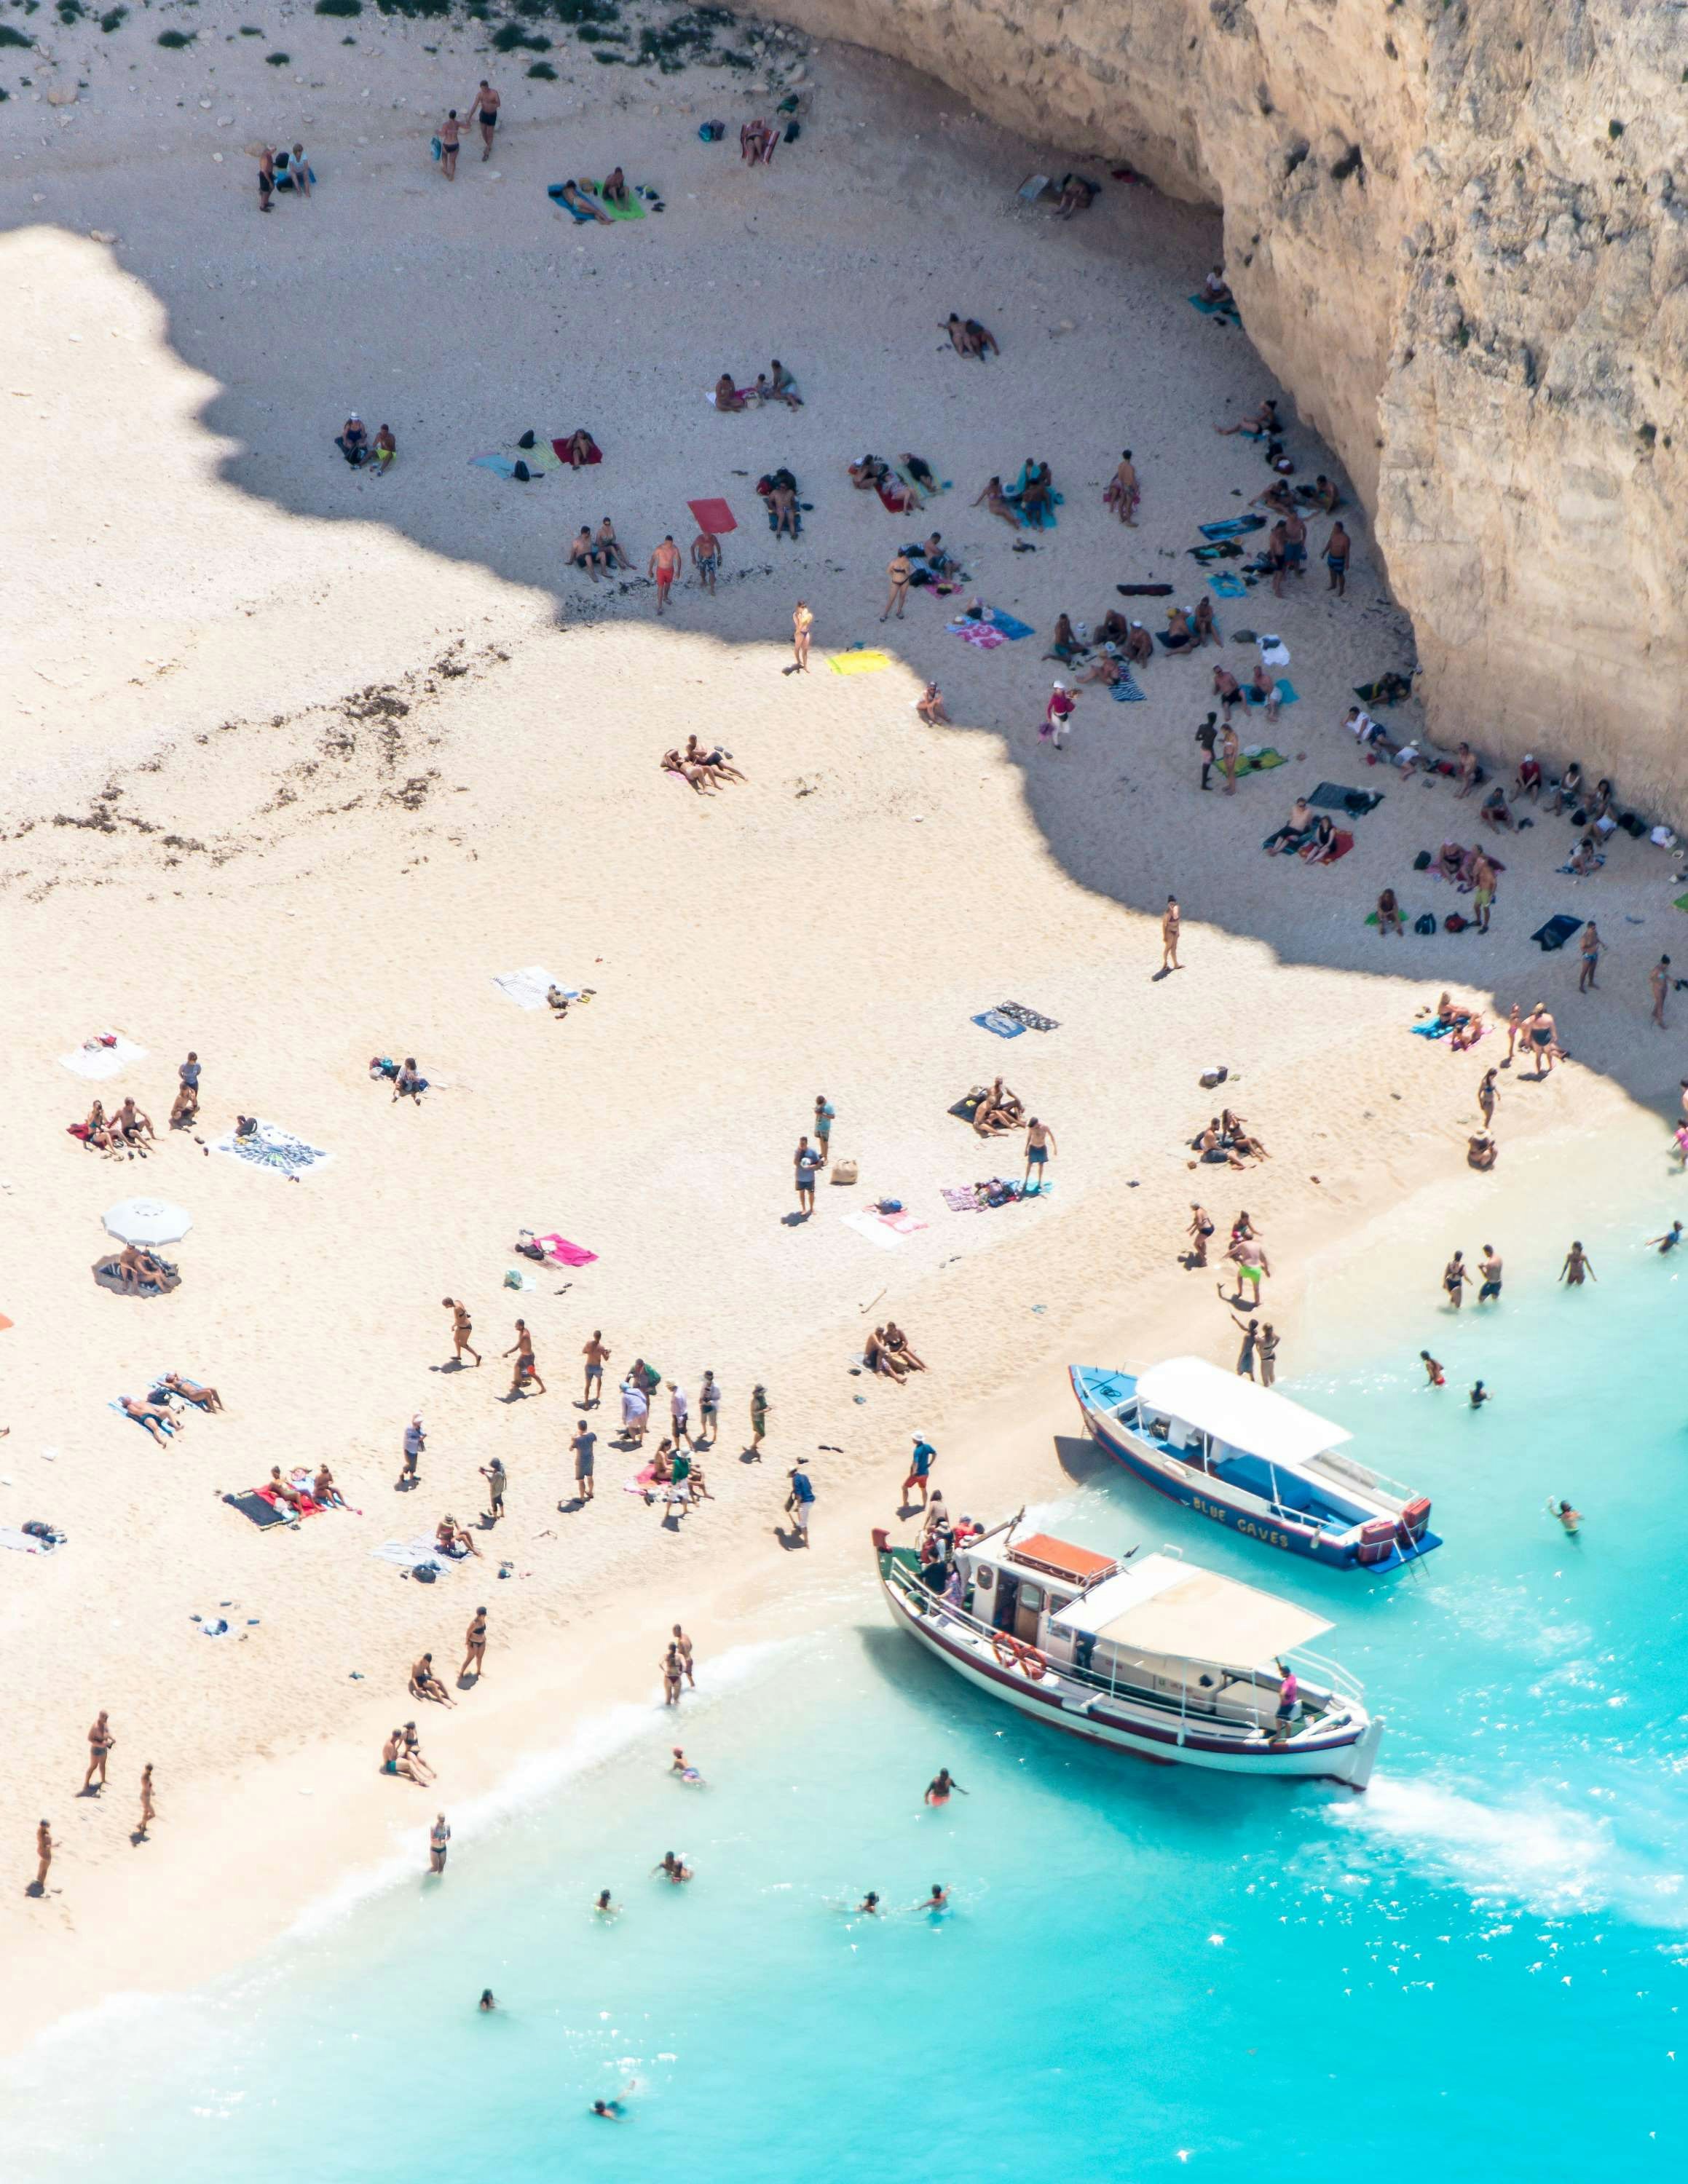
(1174, 1480)
(1346, 1757)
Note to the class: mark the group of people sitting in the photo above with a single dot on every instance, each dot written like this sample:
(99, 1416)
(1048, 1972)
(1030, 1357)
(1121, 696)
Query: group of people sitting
(997, 1111)
(1117, 640)
(354, 443)
(1308, 834)
(774, 385)
(677, 1477)
(1227, 1141)
(888, 1351)
(872, 473)
(1027, 501)
(1460, 1026)
(598, 551)
(119, 1135)
(407, 1081)
(967, 338)
(706, 771)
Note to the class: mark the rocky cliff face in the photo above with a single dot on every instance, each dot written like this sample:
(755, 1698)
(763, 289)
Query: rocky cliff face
(1459, 234)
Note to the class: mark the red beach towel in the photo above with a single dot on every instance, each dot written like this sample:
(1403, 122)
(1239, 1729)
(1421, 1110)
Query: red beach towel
(713, 515)
(560, 449)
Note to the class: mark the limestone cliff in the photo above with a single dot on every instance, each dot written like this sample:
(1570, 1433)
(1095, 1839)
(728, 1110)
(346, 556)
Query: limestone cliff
(1460, 237)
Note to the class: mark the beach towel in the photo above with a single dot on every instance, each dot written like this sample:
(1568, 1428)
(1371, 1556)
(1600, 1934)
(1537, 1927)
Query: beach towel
(595, 454)
(895, 498)
(1431, 1030)
(870, 1226)
(554, 194)
(710, 397)
(1273, 651)
(984, 636)
(966, 1200)
(1390, 690)
(504, 467)
(100, 1060)
(865, 662)
(1040, 518)
(263, 1513)
(1341, 843)
(1210, 310)
(404, 1556)
(1331, 796)
(527, 988)
(1555, 932)
(1234, 526)
(1029, 1017)
(269, 1147)
(564, 1254)
(21, 1543)
(1145, 591)
(713, 515)
(1288, 694)
(1125, 690)
(917, 485)
(1680, 902)
(1260, 761)
(1225, 585)
(976, 629)
(169, 1425)
(631, 210)
(544, 458)
(642, 1482)
(1005, 1026)
(304, 1507)
(904, 1223)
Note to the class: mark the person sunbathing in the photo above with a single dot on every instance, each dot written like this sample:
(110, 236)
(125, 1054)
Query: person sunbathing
(1527, 782)
(425, 1685)
(997, 1111)
(1076, 196)
(386, 451)
(1390, 918)
(1214, 289)
(1105, 668)
(578, 449)
(185, 1107)
(1203, 627)
(1450, 860)
(1586, 858)
(394, 1761)
(1066, 646)
(1466, 1035)
(997, 502)
(662, 1464)
(872, 472)
(1257, 423)
(97, 1131)
(352, 441)
(410, 1083)
(191, 1391)
(571, 196)
(1227, 688)
(610, 547)
(1113, 628)
(1263, 690)
(325, 1493)
(583, 554)
(1322, 848)
(153, 1416)
(983, 340)
(1277, 497)
(921, 472)
(930, 707)
(897, 1343)
(716, 761)
(1495, 811)
(450, 1539)
(1481, 1150)
(698, 775)
(283, 1490)
(1180, 636)
(136, 1268)
(1293, 833)
(727, 395)
(615, 191)
(782, 506)
(1567, 790)
(879, 1359)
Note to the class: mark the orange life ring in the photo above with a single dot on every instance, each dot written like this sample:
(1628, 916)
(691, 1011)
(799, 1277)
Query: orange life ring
(1012, 1652)
(1033, 1662)
(1006, 1648)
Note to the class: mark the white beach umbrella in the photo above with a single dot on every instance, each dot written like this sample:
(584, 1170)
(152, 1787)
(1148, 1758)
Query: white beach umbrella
(148, 1221)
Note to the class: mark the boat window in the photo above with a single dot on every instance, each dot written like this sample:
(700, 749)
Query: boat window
(1031, 1596)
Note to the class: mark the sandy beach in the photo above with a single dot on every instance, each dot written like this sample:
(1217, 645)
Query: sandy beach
(303, 759)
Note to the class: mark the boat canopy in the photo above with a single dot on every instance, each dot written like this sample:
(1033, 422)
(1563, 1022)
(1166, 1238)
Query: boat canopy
(1160, 1605)
(1234, 1410)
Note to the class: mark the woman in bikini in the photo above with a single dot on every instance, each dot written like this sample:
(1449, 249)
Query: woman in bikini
(997, 502)
(896, 1342)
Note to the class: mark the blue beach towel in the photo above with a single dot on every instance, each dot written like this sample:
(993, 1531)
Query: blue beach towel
(1004, 1027)
(1288, 694)
(1126, 692)
(1010, 626)
(1210, 310)
(1234, 526)
(1431, 1030)
(503, 465)
(1227, 586)
(1045, 518)
(554, 194)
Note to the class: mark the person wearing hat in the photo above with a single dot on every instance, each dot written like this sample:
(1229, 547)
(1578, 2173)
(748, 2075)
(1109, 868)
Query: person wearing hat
(1139, 645)
(1528, 781)
(353, 442)
(1056, 714)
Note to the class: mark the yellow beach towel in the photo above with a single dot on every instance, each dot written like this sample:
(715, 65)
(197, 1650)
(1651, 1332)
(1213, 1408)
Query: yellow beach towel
(859, 663)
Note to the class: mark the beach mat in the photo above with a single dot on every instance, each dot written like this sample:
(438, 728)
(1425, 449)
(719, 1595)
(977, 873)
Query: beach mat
(22, 1543)
(713, 515)
(1127, 691)
(1234, 526)
(1288, 694)
(865, 662)
(1210, 310)
(1145, 591)
(504, 467)
(527, 988)
(1004, 1027)
(262, 1514)
(560, 449)
(874, 1229)
(1555, 932)
(1263, 762)
(554, 194)
(1227, 586)
(1331, 796)
(1383, 691)
(561, 1253)
(631, 210)
(100, 1062)
(1030, 1017)
(272, 1148)
(926, 492)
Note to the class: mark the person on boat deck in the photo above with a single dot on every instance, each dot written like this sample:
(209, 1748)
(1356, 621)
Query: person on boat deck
(1288, 1699)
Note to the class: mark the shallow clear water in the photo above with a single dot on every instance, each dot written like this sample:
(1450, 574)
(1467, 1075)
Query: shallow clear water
(1476, 1969)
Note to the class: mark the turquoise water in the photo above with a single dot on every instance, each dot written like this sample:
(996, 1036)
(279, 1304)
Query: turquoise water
(1475, 1970)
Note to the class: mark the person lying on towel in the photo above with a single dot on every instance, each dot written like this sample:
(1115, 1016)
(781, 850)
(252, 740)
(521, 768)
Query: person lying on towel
(582, 207)
(1293, 835)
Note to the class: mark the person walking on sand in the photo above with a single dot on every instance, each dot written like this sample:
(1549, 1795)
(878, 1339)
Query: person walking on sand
(1587, 981)
(438, 1844)
(101, 1745)
(1200, 1229)
(803, 622)
(825, 1115)
(665, 566)
(1514, 1025)
(758, 1420)
(706, 558)
(451, 136)
(1207, 735)
(1454, 1278)
(679, 1414)
(898, 570)
(266, 176)
(475, 1647)
(1245, 1356)
(1488, 1097)
(497, 1479)
(1337, 548)
(1577, 1268)
(526, 1365)
(1490, 1267)
(1230, 751)
(148, 1813)
(1541, 1037)
(462, 1327)
(683, 1647)
(485, 110)
(673, 1676)
(1040, 1143)
(1057, 715)
(1171, 919)
(44, 1857)
(1659, 980)
(584, 1446)
(416, 1439)
(1266, 1348)
(919, 1472)
(799, 1504)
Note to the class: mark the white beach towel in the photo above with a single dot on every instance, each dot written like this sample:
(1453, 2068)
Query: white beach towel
(870, 1226)
(21, 1542)
(98, 1061)
(1273, 651)
(411, 1556)
(270, 1147)
(527, 988)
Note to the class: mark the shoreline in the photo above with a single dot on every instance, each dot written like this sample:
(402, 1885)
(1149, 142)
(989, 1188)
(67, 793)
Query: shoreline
(605, 1700)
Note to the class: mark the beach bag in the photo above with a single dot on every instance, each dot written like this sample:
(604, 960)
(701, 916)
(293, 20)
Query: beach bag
(522, 474)
(527, 438)
(843, 1171)
(1427, 923)
(1423, 862)
(793, 131)
(712, 132)
(424, 1572)
(1453, 923)
(1215, 1076)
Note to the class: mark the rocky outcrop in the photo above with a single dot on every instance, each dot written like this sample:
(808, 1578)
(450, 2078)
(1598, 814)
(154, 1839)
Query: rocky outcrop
(1459, 234)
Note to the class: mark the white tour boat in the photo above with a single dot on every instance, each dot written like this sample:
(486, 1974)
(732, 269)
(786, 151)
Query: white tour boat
(1147, 1654)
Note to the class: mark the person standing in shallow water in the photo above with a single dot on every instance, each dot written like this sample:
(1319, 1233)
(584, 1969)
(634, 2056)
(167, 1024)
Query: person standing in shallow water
(1577, 1268)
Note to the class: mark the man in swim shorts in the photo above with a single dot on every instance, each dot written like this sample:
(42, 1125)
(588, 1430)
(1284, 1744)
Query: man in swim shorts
(1490, 1270)
(584, 1444)
(665, 566)
(706, 558)
(485, 108)
(1337, 547)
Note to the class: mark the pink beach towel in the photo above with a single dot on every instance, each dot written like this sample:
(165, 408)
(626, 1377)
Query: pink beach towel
(564, 1253)
(641, 1481)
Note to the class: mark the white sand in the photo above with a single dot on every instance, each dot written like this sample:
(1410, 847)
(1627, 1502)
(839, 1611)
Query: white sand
(286, 872)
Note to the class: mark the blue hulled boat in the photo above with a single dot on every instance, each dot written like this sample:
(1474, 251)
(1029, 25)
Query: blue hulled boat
(1251, 1459)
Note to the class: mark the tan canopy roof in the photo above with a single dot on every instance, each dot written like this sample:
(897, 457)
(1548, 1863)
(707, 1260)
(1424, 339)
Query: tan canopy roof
(1158, 1604)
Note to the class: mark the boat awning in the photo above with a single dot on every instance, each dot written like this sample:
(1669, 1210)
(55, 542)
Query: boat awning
(1255, 1420)
(1162, 1605)
(1054, 1558)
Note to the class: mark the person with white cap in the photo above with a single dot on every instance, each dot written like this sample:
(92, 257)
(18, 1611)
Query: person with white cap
(1056, 714)
(353, 442)
(1139, 646)
(1528, 779)
(415, 1441)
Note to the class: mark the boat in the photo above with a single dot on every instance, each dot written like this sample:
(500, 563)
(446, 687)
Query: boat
(1146, 1653)
(1249, 1457)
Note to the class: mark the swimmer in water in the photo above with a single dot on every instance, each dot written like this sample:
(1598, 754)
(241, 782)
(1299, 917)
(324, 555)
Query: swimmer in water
(1479, 1395)
(674, 1869)
(937, 1901)
(1571, 1519)
(870, 1903)
(488, 2000)
(1433, 1372)
(680, 1766)
(610, 2111)
(938, 1790)
(604, 1908)
(1668, 1242)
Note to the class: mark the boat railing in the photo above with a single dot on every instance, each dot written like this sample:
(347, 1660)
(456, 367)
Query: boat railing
(1329, 1672)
